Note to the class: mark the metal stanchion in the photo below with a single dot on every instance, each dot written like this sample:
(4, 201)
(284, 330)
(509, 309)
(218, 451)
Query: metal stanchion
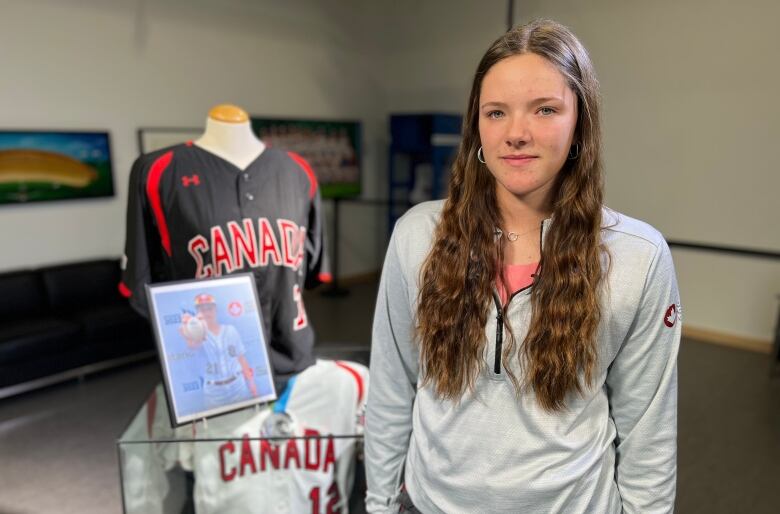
(334, 290)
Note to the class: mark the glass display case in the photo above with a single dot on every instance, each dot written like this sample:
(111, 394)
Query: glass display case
(260, 459)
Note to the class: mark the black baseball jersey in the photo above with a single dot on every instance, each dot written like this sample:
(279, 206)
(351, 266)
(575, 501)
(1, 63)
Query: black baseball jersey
(192, 214)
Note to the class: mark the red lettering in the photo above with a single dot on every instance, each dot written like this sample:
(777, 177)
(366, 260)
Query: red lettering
(244, 243)
(197, 247)
(220, 253)
(330, 454)
(292, 453)
(225, 448)
(300, 321)
(314, 496)
(301, 247)
(268, 244)
(335, 497)
(246, 456)
(288, 231)
(311, 456)
(267, 450)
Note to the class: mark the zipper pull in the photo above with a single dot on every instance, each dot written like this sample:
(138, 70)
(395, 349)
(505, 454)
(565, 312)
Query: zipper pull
(499, 340)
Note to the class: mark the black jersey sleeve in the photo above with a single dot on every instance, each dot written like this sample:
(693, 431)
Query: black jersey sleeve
(318, 264)
(137, 262)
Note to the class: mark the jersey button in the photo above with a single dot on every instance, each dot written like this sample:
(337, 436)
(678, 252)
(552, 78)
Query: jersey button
(249, 196)
(246, 177)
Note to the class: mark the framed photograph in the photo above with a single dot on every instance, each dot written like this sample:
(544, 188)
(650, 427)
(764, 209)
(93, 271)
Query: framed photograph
(211, 345)
(151, 139)
(332, 148)
(37, 166)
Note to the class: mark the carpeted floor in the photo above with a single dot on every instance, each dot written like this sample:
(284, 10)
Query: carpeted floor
(58, 446)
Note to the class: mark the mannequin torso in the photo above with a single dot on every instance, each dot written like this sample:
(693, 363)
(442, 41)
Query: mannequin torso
(229, 136)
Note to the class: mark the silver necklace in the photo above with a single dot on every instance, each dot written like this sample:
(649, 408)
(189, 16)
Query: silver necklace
(514, 236)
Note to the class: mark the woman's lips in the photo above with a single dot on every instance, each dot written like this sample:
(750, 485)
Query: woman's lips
(518, 160)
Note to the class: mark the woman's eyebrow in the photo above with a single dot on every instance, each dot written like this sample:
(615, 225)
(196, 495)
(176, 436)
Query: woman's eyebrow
(493, 104)
(544, 99)
(534, 101)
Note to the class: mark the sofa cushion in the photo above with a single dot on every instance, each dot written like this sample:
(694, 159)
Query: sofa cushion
(21, 296)
(33, 339)
(107, 323)
(75, 287)
(33, 368)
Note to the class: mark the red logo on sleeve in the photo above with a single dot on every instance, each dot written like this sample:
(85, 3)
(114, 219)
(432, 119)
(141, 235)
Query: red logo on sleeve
(670, 318)
(193, 179)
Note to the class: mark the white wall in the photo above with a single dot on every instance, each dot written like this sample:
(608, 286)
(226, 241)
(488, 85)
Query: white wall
(431, 57)
(121, 65)
(690, 124)
(689, 109)
(428, 51)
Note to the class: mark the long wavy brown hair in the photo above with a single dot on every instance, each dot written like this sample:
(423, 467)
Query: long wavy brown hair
(457, 278)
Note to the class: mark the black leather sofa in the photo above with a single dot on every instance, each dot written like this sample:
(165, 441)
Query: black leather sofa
(61, 322)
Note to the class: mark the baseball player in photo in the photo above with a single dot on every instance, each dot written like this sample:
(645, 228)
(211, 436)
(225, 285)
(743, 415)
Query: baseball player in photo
(192, 214)
(228, 376)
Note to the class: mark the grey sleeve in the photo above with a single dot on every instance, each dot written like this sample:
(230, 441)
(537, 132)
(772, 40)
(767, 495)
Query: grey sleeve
(642, 389)
(393, 377)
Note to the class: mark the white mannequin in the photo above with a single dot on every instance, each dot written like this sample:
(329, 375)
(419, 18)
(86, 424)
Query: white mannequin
(229, 136)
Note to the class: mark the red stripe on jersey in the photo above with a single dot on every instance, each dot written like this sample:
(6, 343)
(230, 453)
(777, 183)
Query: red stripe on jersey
(327, 278)
(124, 290)
(309, 172)
(153, 193)
(357, 377)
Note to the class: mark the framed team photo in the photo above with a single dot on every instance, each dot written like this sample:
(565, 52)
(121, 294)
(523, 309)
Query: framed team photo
(212, 350)
(157, 138)
(331, 147)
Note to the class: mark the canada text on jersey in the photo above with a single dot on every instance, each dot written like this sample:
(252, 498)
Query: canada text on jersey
(245, 245)
(311, 452)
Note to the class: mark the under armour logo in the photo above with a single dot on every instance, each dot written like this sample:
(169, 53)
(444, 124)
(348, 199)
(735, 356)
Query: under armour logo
(191, 180)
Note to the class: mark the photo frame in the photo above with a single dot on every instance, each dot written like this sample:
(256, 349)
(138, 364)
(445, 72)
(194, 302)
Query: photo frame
(38, 165)
(331, 147)
(157, 138)
(212, 348)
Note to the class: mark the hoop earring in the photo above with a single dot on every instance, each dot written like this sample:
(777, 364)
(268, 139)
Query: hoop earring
(480, 156)
(576, 153)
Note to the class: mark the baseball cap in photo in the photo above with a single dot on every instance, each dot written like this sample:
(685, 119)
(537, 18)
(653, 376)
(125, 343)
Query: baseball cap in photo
(204, 299)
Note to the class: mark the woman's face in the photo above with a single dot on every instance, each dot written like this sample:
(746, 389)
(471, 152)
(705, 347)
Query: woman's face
(527, 117)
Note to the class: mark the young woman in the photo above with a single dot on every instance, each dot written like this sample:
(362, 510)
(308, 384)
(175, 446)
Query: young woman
(525, 337)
